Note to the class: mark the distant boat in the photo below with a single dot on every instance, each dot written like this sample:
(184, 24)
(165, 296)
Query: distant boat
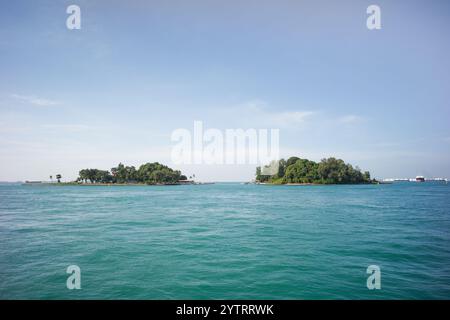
(420, 179)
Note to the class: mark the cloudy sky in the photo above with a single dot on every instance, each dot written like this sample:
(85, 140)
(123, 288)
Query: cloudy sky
(138, 70)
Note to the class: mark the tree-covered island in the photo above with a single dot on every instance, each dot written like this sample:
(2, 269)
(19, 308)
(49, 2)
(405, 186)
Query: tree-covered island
(302, 171)
(149, 173)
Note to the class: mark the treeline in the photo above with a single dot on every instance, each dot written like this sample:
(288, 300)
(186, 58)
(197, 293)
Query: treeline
(327, 171)
(149, 173)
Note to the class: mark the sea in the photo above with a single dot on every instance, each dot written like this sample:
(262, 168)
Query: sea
(225, 241)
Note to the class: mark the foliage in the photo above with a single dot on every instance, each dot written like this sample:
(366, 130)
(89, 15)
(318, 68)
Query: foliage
(149, 173)
(95, 176)
(327, 171)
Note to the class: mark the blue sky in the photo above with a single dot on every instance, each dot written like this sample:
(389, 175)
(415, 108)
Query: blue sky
(137, 70)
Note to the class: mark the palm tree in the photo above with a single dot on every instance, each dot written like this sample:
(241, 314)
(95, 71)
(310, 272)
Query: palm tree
(51, 178)
(58, 177)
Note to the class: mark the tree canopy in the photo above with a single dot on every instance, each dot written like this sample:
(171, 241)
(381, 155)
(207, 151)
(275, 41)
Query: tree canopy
(148, 173)
(327, 171)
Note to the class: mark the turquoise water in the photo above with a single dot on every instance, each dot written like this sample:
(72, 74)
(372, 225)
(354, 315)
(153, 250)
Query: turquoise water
(225, 241)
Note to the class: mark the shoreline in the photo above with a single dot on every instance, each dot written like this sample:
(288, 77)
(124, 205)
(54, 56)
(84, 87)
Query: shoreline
(105, 184)
(183, 184)
(315, 184)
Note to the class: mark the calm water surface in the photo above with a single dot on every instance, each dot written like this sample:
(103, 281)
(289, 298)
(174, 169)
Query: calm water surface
(225, 241)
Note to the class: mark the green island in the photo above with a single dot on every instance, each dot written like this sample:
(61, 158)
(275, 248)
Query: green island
(293, 171)
(303, 171)
(148, 173)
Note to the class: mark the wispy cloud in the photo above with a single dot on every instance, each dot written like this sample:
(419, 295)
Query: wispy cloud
(35, 100)
(67, 127)
(292, 117)
(7, 128)
(260, 112)
(350, 119)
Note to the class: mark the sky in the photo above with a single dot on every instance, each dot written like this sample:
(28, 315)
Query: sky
(116, 89)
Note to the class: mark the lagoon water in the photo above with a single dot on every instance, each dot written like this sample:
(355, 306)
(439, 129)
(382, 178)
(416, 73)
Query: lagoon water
(225, 241)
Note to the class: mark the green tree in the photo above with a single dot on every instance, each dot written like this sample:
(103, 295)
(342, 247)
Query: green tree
(150, 173)
(327, 171)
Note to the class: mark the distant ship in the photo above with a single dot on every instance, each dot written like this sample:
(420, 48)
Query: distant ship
(416, 179)
(420, 179)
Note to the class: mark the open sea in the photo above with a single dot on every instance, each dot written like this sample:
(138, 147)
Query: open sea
(225, 241)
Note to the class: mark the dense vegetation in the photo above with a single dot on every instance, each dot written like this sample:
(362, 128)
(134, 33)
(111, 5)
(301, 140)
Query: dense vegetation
(327, 171)
(149, 173)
